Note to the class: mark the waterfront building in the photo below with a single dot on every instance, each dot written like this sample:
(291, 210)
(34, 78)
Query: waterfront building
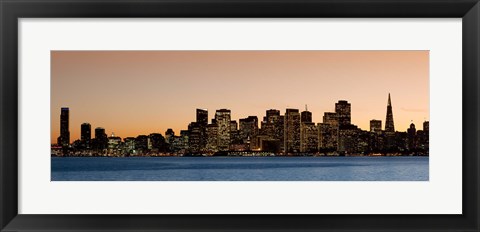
(169, 135)
(101, 140)
(64, 139)
(343, 110)
(411, 140)
(249, 131)
(389, 125)
(86, 135)
(157, 142)
(234, 132)
(390, 138)
(223, 118)
(426, 131)
(195, 138)
(114, 143)
(202, 121)
(129, 146)
(327, 137)
(292, 131)
(212, 137)
(184, 139)
(272, 126)
(308, 137)
(141, 143)
(376, 126)
(348, 139)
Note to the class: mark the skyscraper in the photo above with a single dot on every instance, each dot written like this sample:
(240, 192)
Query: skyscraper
(202, 122)
(64, 127)
(212, 137)
(308, 137)
(202, 117)
(86, 134)
(343, 110)
(101, 140)
(306, 116)
(411, 137)
(389, 126)
(292, 131)
(222, 118)
(249, 130)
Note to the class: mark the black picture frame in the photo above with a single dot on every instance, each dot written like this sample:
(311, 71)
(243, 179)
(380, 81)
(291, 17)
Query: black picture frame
(12, 10)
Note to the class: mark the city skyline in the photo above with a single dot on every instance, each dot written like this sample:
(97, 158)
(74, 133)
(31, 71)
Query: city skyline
(293, 133)
(130, 105)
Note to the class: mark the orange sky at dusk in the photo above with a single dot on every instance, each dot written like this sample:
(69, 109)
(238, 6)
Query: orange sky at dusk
(142, 92)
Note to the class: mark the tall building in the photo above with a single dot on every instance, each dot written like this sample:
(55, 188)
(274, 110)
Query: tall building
(308, 137)
(328, 132)
(195, 137)
(234, 133)
(389, 125)
(343, 110)
(86, 135)
(306, 116)
(249, 130)
(411, 139)
(101, 140)
(272, 127)
(223, 118)
(64, 127)
(426, 131)
(202, 117)
(330, 118)
(212, 137)
(292, 131)
(376, 126)
(202, 122)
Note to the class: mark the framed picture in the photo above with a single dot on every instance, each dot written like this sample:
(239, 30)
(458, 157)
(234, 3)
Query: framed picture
(247, 116)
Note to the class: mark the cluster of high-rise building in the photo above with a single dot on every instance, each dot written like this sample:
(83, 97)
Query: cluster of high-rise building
(293, 133)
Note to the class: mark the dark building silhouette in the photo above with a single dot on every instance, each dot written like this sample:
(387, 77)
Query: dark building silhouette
(389, 125)
(376, 126)
(292, 131)
(141, 143)
(86, 135)
(212, 138)
(64, 139)
(343, 110)
(195, 137)
(272, 128)
(411, 145)
(306, 116)
(157, 143)
(101, 139)
(249, 131)
(202, 122)
(426, 133)
(202, 117)
(223, 118)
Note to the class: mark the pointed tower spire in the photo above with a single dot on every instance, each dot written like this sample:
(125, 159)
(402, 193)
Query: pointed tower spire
(306, 109)
(389, 125)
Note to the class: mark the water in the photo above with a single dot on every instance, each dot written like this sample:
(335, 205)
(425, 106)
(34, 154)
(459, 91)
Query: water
(240, 169)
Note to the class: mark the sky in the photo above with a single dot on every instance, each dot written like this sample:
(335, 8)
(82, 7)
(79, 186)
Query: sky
(130, 93)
